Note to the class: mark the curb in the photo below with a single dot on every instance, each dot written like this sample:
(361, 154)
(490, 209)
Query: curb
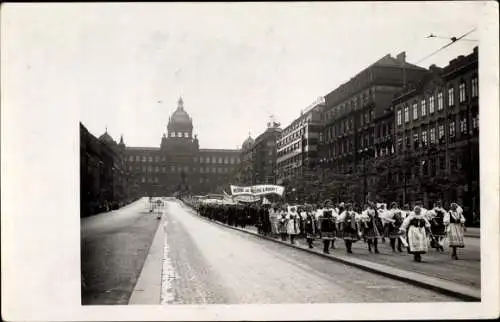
(147, 289)
(462, 292)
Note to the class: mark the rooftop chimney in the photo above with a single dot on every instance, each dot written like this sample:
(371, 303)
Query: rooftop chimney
(401, 57)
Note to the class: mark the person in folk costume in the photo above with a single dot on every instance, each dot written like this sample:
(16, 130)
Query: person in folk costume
(382, 209)
(318, 212)
(293, 224)
(416, 227)
(326, 227)
(335, 216)
(394, 220)
(310, 225)
(436, 219)
(283, 223)
(273, 218)
(454, 221)
(371, 227)
(348, 227)
(302, 211)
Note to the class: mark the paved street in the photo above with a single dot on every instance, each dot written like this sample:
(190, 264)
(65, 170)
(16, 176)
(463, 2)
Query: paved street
(114, 246)
(466, 270)
(208, 263)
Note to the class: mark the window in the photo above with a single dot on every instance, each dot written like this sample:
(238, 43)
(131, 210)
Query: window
(214, 160)
(163, 159)
(201, 170)
(423, 109)
(143, 179)
(463, 125)
(156, 179)
(431, 104)
(186, 134)
(186, 169)
(150, 159)
(172, 134)
(453, 164)
(157, 159)
(432, 135)
(475, 122)
(441, 133)
(415, 111)
(163, 169)
(137, 158)
(461, 92)
(452, 129)
(424, 138)
(219, 170)
(157, 169)
(207, 160)
(129, 168)
(407, 114)
(214, 170)
(475, 87)
(144, 159)
(220, 160)
(399, 117)
(442, 163)
(179, 169)
(131, 158)
(415, 140)
(226, 161)
(440, 101)
(179, 134)
(451, 96)
(201, 180)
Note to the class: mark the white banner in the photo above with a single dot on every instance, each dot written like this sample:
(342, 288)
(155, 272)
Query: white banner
(258, 190)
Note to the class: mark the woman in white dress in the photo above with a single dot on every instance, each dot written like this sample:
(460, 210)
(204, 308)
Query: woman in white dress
(416, 227)
(293, 224)
(454, 221)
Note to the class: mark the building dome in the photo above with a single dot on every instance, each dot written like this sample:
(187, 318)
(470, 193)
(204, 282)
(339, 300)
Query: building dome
(180, 116)
(106, 138)
(249, 142)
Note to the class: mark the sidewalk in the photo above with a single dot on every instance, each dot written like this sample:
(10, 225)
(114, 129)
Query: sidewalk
(473, 232)
(461, 278)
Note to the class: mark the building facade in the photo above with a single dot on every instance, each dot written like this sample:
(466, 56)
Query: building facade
(178, 165)
(436, 133)
(347, 144)
(246, 174)
(263, 154)
(104, 178)
(297, 150)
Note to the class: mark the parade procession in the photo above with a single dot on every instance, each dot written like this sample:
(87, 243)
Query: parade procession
(414, 231)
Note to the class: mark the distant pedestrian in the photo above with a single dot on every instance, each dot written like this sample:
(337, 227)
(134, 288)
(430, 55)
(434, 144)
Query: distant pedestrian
(455, 221)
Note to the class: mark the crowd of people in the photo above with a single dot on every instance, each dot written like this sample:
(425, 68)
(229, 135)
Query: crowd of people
(414, 229)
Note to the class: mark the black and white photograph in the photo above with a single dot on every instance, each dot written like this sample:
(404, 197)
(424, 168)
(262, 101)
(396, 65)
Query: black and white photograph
(220, 155)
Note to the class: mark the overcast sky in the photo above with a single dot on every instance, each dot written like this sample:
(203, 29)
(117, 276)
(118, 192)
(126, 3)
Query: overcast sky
(233, 64)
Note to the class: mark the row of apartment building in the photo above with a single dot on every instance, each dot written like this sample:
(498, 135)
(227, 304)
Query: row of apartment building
(393, 132)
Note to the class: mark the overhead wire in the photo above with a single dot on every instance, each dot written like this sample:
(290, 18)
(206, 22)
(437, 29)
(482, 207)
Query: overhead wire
(453, 40)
